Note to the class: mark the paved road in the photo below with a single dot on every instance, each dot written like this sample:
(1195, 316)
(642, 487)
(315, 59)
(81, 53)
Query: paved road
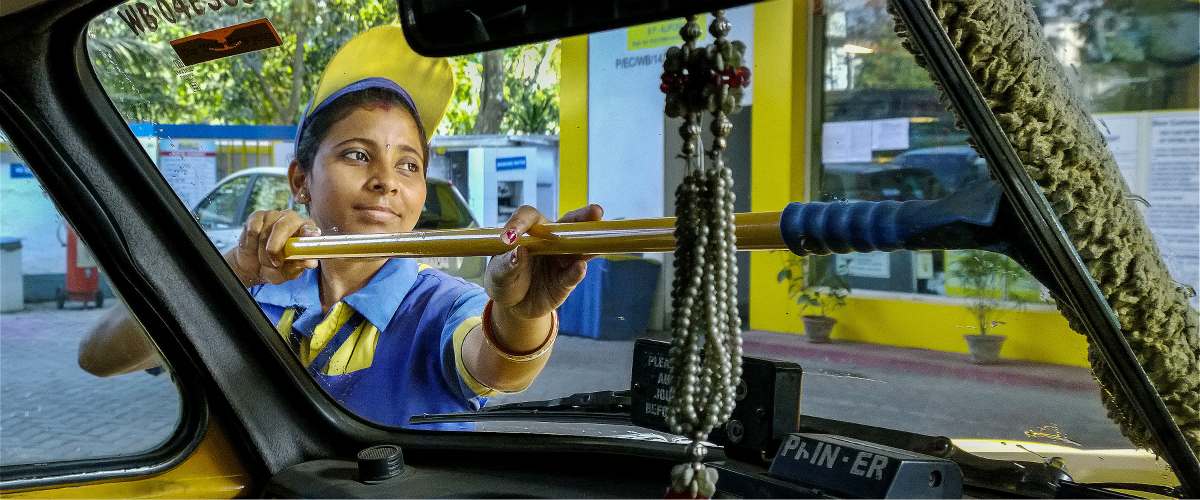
(1062, 406)
(52, 410)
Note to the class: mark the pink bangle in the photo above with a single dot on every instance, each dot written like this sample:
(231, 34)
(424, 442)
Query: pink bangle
(520, 357)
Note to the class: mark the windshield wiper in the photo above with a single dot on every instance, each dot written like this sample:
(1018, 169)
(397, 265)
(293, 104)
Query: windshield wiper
(1009, 477)
(1012, 477)
(603, 407)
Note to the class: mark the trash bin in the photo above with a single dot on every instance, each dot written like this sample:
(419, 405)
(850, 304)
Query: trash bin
(12, 282)
(613, 301)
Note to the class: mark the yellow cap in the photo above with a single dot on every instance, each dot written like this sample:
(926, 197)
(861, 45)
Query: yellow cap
(381, 57)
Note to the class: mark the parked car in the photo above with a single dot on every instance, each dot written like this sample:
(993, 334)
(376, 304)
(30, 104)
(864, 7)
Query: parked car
(224, 209)
(881, 183)
(953, 166)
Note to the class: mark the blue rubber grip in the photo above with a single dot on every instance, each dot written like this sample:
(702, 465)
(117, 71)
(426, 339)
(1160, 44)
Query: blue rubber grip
(885, 226)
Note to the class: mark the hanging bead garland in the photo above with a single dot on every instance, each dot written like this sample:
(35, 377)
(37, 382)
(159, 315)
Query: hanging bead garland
(706, 351)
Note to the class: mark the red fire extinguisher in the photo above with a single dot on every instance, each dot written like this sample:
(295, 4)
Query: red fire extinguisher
(83, 277)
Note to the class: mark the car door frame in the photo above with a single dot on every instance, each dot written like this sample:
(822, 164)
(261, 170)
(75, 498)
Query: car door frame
(62, 123)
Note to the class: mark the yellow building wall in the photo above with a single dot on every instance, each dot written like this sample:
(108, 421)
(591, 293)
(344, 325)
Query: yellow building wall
(779, 168)
(777, 141)
(1037, 334)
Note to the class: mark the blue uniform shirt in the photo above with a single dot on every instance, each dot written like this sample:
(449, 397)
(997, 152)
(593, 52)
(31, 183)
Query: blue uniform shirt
(421, 314)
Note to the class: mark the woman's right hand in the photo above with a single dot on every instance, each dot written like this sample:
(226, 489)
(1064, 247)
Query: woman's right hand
(258, 256)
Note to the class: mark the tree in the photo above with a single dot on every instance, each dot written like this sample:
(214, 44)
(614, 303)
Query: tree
(532, 89)
(492, 105)
(514, 90)
(890, 66)
(528, 97)
(464, 105)
(264, 87)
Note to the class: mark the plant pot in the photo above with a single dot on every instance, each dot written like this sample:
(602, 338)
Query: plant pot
(984, 349)
(817, 328)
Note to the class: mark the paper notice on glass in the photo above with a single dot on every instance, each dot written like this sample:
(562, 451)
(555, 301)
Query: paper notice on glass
(846, 142)
(1174, 193)
(923, 265)
(891, 133)
(865, 265)
(190, 167)
(1121, 133)
(1175, 134)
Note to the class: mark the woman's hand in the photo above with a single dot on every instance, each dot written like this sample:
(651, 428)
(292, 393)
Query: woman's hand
(258, 256)
(526, 288)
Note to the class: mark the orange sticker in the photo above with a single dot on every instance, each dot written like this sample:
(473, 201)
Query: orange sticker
(225, 42)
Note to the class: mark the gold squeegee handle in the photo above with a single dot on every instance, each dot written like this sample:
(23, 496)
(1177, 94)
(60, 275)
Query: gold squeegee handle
(754, 230)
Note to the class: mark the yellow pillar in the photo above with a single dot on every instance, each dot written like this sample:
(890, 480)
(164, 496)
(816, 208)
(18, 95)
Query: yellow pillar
(573, 123)
(778, 153)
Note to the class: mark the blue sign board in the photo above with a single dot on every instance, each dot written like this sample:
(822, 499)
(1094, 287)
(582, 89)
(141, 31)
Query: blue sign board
(197, 131)
(510, 163)
(19, 171)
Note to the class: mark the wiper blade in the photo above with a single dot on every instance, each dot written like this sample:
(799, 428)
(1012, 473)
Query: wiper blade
(1070, 489)
(602, 401)
(1010, 477)
(603, 407)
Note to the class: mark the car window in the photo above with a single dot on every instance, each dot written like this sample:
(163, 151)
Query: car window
(222, 208)
(270, 192)
(444, 209)
(886, 136)
(52, 294)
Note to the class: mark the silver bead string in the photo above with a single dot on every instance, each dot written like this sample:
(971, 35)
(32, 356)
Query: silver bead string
(706, 350)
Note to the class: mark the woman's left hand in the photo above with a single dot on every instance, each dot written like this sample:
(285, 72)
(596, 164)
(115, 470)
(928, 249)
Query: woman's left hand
(528, 286)
(525, 289)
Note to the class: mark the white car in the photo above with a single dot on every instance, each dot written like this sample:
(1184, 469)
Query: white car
(223, 211)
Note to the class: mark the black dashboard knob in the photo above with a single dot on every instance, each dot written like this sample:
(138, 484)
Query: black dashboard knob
(379, 463)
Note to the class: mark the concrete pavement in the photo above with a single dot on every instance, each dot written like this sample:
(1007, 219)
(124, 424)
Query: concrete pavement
(50, 409)
(1012, 372)
(942, 393)
(917, 390)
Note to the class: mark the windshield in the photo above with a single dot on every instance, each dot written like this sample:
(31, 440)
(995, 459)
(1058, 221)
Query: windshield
(847, 115)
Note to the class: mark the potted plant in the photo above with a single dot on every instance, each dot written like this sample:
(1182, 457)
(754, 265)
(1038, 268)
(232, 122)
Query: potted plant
(989, 282)
(813, 283)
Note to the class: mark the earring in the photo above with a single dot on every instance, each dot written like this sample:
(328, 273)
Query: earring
(302, 196)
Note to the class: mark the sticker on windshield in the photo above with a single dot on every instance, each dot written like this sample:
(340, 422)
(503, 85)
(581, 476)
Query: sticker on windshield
(225, 42)
(186, 74)
(142, 17)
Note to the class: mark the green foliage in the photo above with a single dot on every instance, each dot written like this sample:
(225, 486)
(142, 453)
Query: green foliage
(265, 87)
(464, 106)
(273, 86)
(990, 281)
(813, 282)
(531, 89)
(890, 67)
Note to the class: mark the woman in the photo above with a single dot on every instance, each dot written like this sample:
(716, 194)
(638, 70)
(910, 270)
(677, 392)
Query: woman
(385, 337)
